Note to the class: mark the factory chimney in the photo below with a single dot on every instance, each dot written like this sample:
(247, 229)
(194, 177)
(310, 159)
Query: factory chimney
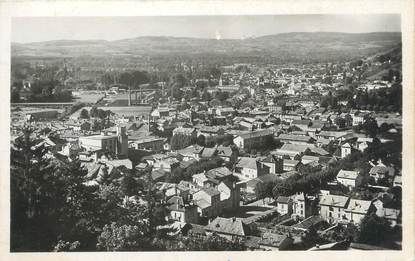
(129, 96)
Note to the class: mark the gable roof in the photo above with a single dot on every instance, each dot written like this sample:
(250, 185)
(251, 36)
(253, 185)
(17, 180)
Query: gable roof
(201, 176)
(335, 134)
(158, 174)
(284, 200)
(309, 222)
(318, 150)
(348, 174)
(272, 239)
(382, 170)
(201, 203)
(247, 162)
(121, 162)
(257, 133)
(219, 172)
(208, 152)
(346, 145)
(224, 151)
(310, 158)
(334, 200)
(176, 203)
(192, 149)
(186, 164)
(288, 162)
(183, 130)
(231, 226)
(358, 206)
(294, 148)
(291, 137)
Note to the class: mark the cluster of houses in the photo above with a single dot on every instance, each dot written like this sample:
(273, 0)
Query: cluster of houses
(258, 146)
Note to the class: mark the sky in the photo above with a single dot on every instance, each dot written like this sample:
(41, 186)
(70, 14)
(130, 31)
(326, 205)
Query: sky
(37, 29)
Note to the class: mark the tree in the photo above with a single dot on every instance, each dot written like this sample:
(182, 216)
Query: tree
(48, 199)
(139, 77)
(215, 72)
(63, 246)
(370, 126)
(126, 78)
(107, 79)
(348, 120)
(84, 114)
(29, 173)
(76, 107)
(201, 140)
(177, 92)
(211, 243)
(341, 122)
(15, 91)
(222, 96)
(373, 229)
(206, 96)
(48, 91)
(179, 80)
(116, 237)
(81, 213)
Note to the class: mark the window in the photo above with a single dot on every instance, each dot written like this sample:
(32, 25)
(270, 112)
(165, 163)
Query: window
(331, 208)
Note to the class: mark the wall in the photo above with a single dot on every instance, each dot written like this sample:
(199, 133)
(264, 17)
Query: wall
(347, 182)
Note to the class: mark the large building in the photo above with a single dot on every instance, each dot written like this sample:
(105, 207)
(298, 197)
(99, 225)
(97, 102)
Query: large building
(116, 144)
(147, 143)
(253, 139)
(250, 168)
(332, 207)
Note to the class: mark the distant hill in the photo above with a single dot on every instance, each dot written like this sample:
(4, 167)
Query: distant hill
(287, 45)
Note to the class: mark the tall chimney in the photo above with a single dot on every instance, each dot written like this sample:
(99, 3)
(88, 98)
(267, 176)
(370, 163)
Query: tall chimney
(129, 96)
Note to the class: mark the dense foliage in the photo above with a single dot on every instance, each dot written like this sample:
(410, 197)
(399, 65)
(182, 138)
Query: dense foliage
(179, 173)
(53, 210)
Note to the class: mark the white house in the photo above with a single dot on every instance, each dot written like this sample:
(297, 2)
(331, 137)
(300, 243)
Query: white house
(332, 207)
(347, 178)
(357, 209)
(346, 149)
(284, 205)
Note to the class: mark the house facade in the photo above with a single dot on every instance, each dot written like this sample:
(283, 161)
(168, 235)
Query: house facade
(347, 178)
(284, 205)
(332, 207)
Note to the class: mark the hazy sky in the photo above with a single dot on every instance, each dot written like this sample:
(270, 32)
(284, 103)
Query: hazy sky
(36, 29)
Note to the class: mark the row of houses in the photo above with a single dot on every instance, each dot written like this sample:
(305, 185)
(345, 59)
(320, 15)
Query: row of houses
(343, 209)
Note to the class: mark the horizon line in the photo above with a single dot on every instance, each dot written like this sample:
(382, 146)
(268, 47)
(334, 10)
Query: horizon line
(204, 38)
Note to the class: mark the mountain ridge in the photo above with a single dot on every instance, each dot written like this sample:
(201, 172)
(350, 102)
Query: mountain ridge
(296, 44)
(200, 38)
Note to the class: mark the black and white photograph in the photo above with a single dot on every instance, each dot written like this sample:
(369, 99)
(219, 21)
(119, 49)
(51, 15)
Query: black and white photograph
(207, 133)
